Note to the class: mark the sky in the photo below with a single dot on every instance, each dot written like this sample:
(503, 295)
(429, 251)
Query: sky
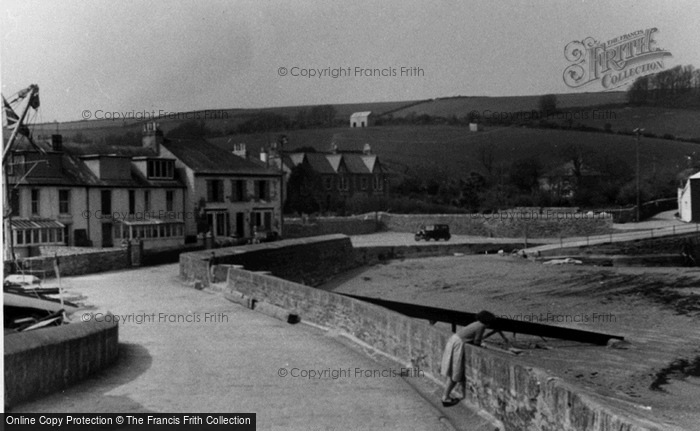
(176, 56)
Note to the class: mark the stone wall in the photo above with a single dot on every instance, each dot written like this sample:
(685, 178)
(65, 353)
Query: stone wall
(521, 397)
(361, 225)
(81, 261)
(509, 224)
(43, 361)
(310, 261)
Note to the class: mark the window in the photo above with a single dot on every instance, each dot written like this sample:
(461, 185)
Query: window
(45, 235)
(364, 182)
(343, 183)
(215, 190)
(14, 202)
(163, 169)
(169, 200)
(132, 201)
(35, 202)
(377, 183)
(146, 200)
(106, 202)
(262, 190)
(238, 191)
(328, 182)
(64, 201)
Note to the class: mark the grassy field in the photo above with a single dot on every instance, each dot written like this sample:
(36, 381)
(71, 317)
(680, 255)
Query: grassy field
(456, 151)
(461, 106)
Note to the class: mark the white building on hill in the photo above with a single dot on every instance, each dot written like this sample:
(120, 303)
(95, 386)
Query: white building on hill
(360, 119)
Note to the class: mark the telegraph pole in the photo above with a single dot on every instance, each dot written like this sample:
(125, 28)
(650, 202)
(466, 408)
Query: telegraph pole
(638, 131)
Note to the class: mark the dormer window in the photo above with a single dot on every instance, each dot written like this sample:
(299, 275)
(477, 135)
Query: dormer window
(161, 169)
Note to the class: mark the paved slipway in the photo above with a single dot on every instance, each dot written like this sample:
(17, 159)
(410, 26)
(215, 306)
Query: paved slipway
(230, 364)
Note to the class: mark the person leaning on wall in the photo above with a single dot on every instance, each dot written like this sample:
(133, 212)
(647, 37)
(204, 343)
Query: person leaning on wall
(453, 357)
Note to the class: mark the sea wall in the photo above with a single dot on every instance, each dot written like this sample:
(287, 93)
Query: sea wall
(310, 261)
(521, 397)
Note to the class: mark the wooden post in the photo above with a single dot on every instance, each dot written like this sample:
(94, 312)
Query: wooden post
(525, 236)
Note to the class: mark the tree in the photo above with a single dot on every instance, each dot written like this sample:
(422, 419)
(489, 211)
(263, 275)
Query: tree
(486, 158)
(525, 174)
(471, 190)
(300, 198)
(322, 116)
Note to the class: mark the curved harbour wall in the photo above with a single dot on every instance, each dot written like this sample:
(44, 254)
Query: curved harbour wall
(520, 396)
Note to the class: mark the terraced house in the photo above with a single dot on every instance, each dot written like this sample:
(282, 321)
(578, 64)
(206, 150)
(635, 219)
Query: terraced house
(339, 175)
(93, 195)
(163, 192)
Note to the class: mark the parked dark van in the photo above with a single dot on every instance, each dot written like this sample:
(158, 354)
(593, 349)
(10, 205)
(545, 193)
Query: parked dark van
(433, 231)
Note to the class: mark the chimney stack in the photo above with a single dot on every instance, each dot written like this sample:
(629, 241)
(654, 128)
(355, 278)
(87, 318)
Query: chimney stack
(367, 150)
(239, 150)
(152, 137)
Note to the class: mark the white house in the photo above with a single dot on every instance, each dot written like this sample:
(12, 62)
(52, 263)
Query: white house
(360, 119)
(689, 199)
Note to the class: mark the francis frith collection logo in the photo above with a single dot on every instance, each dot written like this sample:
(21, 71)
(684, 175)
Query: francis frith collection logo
(614, 63)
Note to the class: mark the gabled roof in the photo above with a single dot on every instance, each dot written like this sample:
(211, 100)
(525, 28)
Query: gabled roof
(356, 164)
(205, 158)
(319, 163)
(297, 158)
(695, 176)
(335, 160)
(370, 161)
(360, 114)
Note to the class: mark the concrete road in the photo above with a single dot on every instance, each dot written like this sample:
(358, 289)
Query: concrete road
(184, 350)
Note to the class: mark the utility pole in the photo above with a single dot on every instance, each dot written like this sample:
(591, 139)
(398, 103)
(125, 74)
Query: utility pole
(638, 131)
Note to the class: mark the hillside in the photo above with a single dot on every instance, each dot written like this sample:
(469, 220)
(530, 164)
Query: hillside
(461, 106)
(456, 151)
(223, 121)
